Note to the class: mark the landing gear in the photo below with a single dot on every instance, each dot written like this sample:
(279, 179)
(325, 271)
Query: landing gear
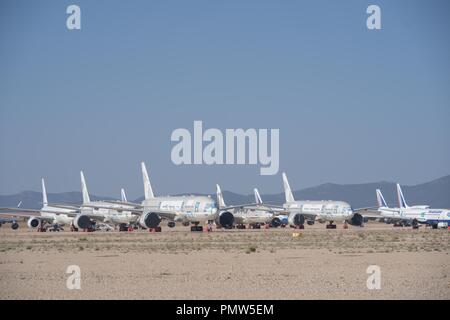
(54, 228)
(398, 224)
(255, 226)
(14, 226)
(345, 225)
(299, 226)
(240, 226)
(171, 224)
(415, 224)
(123, 227)
(331, 225)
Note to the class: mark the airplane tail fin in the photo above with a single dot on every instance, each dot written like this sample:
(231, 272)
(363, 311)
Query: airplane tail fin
(257, 196)
(44, 193)
(380, 199)
(84, 189)
(287, 189)
(123, 196)
(401, 198)
(148, 191)
(220, 200)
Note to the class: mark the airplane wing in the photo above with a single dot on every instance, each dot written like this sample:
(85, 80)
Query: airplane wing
(27, 215)
(136, 211)
(368, 212)
(131, 204)
(30, 212)
(241, 206)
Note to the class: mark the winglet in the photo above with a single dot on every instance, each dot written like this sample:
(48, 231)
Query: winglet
(148, 191)
(380, 199)
(401, 198)
(220, 200)
(84, 189)
(287, 189)
(123, 196)
(44, 194)
(257, 196)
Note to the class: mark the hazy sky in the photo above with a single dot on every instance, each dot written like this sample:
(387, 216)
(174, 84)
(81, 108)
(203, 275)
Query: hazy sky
(352, 105)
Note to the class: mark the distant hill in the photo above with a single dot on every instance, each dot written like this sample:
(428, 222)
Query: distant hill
(435, 193)
(33, 199)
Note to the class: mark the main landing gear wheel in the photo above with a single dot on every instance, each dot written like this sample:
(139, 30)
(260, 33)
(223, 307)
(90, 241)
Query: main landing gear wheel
(157, 229)
(196, 228)
(171, 224)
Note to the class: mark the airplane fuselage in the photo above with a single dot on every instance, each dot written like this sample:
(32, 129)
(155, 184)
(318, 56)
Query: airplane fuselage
(188, 208)
(322, 210)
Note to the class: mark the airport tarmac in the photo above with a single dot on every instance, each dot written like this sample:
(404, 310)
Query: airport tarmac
(227, 264)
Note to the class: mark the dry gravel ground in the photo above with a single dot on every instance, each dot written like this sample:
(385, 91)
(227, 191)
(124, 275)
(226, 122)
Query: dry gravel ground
(232, 264)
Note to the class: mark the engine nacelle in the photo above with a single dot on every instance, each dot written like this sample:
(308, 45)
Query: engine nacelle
(33, 222)
(310, 222)
(275, 223)
(149, 220)
(296, 219)
(82, 222)
(225, 220)
(356, 220)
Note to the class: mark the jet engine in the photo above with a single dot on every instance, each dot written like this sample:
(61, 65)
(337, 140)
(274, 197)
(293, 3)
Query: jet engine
(275, 223)
(149, 220)
(225, 220)
(296, 219)
(82, 222)
(33, 222)
(356, 220)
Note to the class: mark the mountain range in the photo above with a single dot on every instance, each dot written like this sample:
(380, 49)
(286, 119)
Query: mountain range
(435, 193)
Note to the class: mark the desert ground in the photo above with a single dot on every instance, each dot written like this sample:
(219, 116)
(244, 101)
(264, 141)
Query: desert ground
(227, 264)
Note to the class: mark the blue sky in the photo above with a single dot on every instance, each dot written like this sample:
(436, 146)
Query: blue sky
(352, 105)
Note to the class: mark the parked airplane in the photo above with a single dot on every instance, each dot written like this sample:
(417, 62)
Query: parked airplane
(392, 214)
(320, 210)
(51, 215)
(185, 209)
(108, 212)
(244, 215)
(13, 221)
(436, 218)
(277, 210)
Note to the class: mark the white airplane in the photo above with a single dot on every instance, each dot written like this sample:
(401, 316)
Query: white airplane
(320, 210)
(105, 212)
(247, 214)
(193, 210)
(277, 210)
(52, 215)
